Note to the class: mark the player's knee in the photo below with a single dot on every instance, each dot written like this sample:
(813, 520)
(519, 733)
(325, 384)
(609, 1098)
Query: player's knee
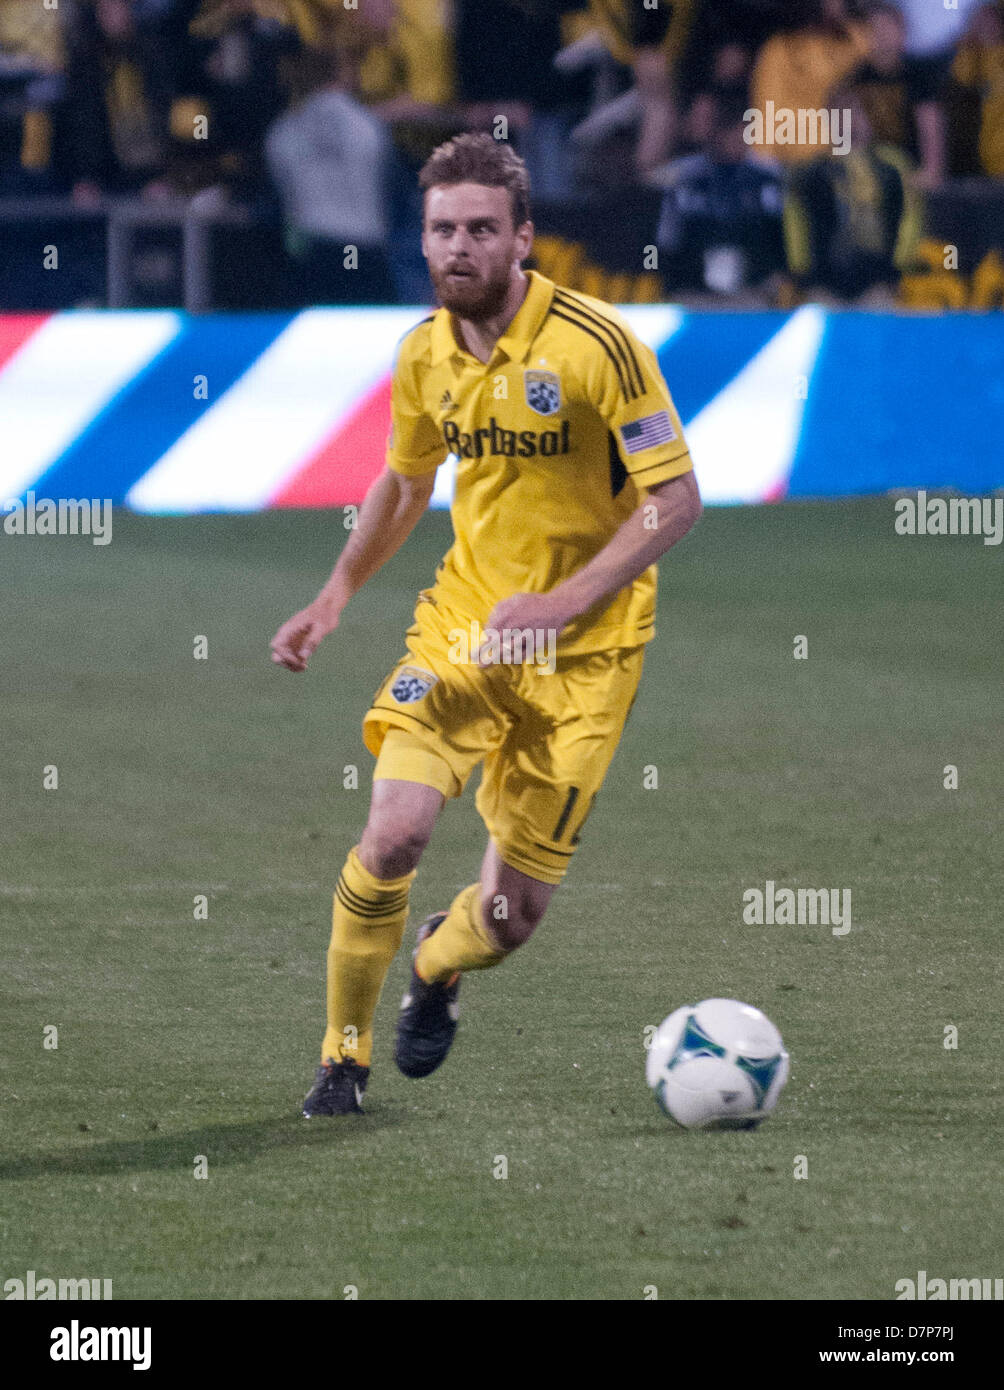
(511, 923)
(514, 933)
(390, 848)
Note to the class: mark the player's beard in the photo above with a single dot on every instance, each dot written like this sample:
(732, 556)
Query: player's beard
(475, 298)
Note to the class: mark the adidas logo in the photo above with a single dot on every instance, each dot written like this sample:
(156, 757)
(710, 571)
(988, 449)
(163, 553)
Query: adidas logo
(447, 402)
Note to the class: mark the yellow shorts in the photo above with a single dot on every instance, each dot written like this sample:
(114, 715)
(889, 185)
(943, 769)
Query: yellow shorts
(546, 738)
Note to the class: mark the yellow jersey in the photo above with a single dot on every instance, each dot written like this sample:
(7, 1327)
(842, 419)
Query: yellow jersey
(556, 438)
(797, 71)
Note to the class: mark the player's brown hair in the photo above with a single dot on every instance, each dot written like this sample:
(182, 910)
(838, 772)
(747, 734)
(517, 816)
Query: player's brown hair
(479, 158)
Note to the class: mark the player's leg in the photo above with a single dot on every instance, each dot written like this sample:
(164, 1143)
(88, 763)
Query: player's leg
(485, 922)
(371, 909)
(512, 902)
(370, 912)
(535, 795)
(427, 726)
(400, 823)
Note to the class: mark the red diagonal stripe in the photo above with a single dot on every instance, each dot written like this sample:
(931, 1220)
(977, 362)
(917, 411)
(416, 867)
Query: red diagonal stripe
(346, 463)
(15, 330)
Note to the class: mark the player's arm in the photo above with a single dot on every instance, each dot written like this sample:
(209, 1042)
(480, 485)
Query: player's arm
(670, 509)
(386, 519)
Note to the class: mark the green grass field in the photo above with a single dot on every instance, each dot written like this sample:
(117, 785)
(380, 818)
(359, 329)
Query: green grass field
(179, 1038)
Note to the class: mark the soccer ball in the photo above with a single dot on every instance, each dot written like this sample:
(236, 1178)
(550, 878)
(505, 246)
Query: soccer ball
(717, 1065)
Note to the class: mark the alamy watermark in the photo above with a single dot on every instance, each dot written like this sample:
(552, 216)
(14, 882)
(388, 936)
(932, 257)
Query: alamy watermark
(803, 907)
(511, 645)
(76, 1343)
(951, 516)
(69, 516)
(780, 125)
(937, 1290)
(39, 1287)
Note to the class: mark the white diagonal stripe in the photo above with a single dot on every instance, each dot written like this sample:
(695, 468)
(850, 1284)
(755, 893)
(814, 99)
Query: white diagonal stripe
(62, 378)
(743, 442)
(265, 427)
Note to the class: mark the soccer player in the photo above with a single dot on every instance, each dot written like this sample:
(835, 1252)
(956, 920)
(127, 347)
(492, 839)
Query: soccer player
(573, 477)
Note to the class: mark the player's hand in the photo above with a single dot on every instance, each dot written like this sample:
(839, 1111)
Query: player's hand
(541, 612)
(299, 637)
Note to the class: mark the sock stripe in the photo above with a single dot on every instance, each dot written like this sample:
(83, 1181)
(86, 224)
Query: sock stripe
(395, 900)
(370, 914)
(363, 907)
(388, 895)
(397, 896)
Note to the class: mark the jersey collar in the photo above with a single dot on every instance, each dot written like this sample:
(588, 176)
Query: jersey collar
(518, 337)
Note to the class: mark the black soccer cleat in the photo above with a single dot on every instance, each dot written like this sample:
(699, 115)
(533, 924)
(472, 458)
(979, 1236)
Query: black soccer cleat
(427, 1023)
(337, 1090)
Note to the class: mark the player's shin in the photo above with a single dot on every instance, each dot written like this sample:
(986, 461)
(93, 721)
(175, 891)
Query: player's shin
(460, 942)
(367, 927)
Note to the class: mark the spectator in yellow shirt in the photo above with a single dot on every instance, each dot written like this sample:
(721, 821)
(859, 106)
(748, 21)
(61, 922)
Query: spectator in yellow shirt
(798, 71)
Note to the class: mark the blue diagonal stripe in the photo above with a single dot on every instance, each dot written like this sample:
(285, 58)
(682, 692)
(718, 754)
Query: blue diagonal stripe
(710, 350)
(900, 401)
(141, 422)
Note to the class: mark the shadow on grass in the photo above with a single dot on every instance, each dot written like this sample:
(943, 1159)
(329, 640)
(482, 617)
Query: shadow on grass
(221, 1144)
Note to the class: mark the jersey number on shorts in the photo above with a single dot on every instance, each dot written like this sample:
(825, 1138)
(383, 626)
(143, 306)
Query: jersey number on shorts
(561, 827)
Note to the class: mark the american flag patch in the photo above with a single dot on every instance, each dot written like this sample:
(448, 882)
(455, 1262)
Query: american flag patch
(647, 432)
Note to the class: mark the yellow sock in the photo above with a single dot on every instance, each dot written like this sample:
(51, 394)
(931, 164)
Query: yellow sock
(461, 942)
(366, 930)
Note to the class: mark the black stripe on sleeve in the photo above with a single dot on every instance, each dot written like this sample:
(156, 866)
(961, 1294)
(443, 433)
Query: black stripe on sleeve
(651, 467)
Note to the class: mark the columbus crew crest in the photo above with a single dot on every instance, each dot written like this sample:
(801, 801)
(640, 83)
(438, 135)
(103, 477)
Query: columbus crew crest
(411, 684)
(543, 391)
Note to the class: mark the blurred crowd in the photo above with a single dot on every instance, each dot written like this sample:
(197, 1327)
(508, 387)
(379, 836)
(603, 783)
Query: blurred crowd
(320, 112)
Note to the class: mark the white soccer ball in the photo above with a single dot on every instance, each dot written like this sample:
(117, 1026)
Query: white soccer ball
(719, 1064)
